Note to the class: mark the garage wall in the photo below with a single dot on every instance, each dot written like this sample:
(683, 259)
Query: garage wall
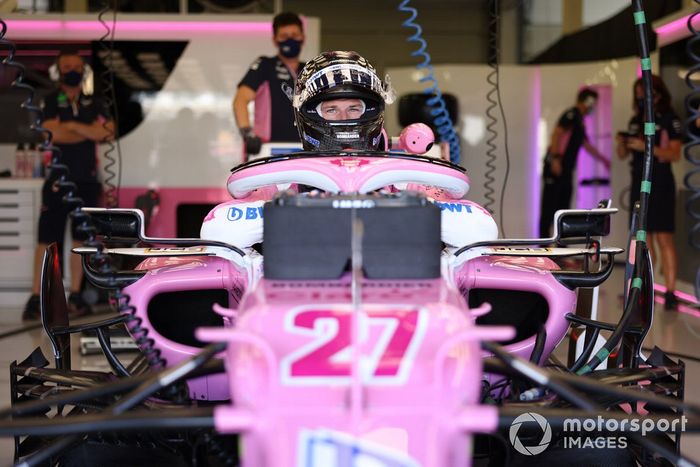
(456, 30)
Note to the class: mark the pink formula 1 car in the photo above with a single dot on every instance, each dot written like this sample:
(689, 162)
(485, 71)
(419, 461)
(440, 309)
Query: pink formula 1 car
(344, 309)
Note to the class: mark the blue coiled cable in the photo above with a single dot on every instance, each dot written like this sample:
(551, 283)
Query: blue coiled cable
(441, 118)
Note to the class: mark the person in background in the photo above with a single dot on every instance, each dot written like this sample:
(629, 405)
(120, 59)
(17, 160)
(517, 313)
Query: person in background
(78, 122)
(662, 199)
(567, 138)
(270, 82)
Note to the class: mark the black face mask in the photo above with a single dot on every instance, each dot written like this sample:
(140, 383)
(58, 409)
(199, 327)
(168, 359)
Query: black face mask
(290, 48)
(72, 78)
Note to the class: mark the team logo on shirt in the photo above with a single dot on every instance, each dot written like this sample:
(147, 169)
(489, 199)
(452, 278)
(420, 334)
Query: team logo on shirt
(282, 72)
(62, 100)
(256, 64)
(676, 125)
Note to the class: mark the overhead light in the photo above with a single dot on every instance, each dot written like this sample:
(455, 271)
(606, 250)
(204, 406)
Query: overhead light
(682, 72)
(148, 56)
(105, 53)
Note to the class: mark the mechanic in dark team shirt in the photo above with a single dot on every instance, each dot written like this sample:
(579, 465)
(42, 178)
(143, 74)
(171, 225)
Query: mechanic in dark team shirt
(562, 153)
(662, 199)
(77, 121)
(268, 82)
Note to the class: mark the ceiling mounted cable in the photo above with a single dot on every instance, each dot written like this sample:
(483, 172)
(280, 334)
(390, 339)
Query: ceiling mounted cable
(441, 118)
(493, 96)
(106, 55)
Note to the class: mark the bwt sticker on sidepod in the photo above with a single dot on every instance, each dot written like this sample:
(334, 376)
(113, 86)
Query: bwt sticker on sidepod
(465, 223)
(454, 207)
(239, 224)
(236, 214)
(465, 207)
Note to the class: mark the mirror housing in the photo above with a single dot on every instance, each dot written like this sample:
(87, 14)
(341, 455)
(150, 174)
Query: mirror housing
(118, 223)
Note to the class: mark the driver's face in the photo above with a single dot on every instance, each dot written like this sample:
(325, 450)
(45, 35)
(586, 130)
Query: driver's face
(342, 109)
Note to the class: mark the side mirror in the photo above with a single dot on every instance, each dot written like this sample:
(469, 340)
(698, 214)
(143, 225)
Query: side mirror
(571, 226)
(113, 223)
(583, 223)
(118, 223)
(594, 223)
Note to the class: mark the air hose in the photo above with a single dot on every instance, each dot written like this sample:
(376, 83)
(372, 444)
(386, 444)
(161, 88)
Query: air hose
(441, 118)
(691, 151)
(642, 265)
(108, 94)
(59, 172)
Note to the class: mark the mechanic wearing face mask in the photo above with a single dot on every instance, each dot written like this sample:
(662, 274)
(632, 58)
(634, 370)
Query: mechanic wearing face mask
(78, 122)
(562, 153)
(266, 82)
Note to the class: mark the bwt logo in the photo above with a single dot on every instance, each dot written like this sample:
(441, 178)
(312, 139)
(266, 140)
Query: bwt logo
(454, 207)
(235, 214)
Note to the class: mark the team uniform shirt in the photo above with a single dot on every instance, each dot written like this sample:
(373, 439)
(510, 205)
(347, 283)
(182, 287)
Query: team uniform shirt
(571, 140)
(270, 78)
(557, 189)
(81, 158)
(662, 200)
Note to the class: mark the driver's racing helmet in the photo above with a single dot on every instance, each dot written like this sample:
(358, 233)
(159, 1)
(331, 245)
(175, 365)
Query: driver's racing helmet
(340, 75)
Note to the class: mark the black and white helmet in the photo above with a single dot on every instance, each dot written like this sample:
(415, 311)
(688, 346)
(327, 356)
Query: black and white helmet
(340, 75)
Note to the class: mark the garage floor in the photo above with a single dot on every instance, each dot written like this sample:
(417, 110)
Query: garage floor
(672, 331)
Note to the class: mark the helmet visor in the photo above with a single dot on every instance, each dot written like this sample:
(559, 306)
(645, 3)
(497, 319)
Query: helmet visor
(341, 109)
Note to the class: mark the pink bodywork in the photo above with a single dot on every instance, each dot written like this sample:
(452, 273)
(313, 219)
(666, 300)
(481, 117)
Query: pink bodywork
(170, 274)
(528, 274)
(394, 375)
(296, 380)
(349, 175)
